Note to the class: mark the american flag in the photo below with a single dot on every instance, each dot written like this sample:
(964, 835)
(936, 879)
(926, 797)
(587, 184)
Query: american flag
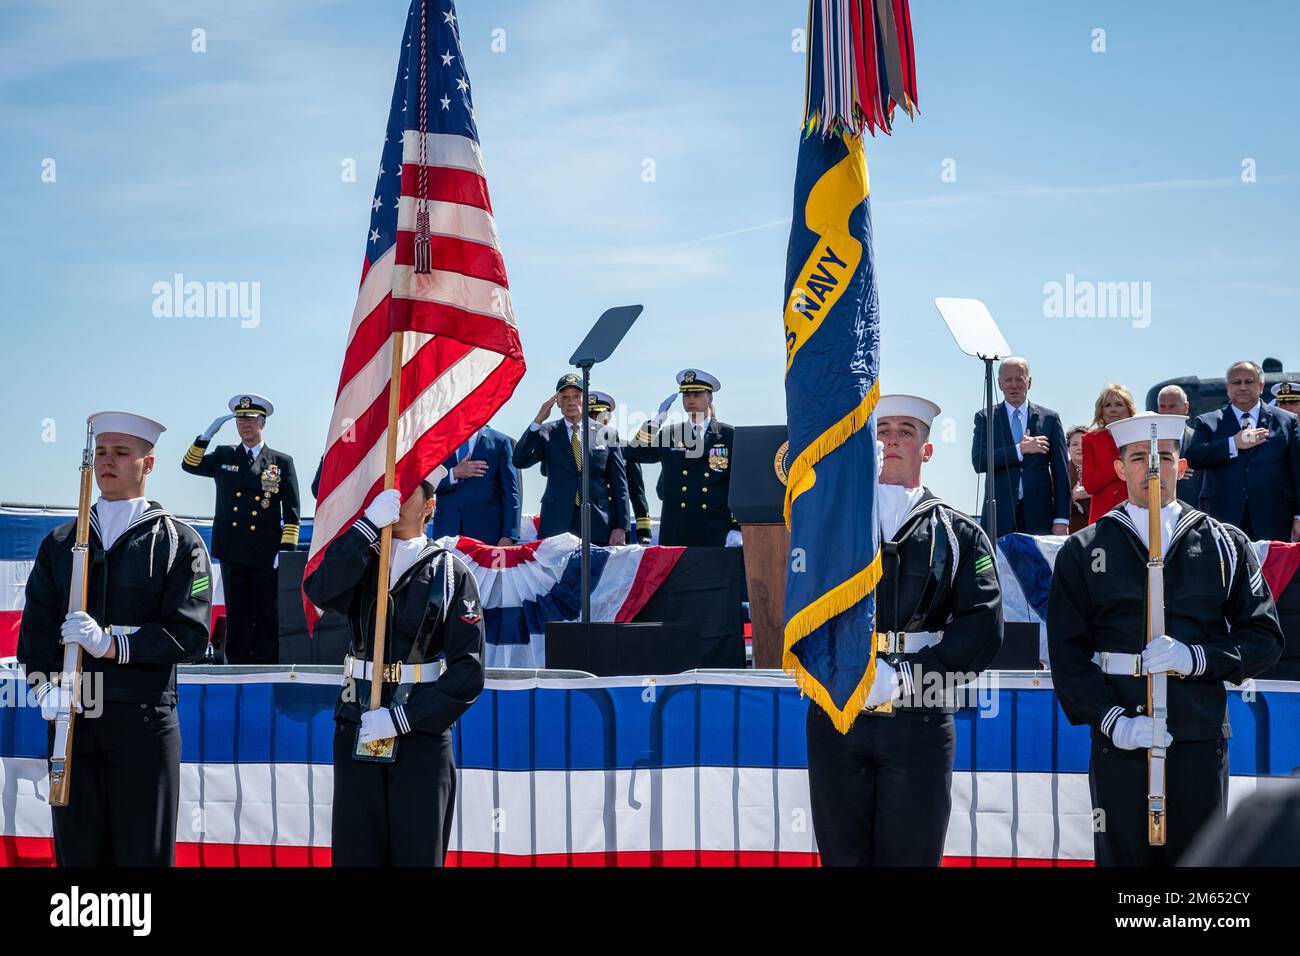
(461, 357)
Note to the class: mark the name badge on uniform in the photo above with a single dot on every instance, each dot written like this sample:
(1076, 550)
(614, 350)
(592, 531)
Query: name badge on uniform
(271, 480)
(719, 458)
(230, 468)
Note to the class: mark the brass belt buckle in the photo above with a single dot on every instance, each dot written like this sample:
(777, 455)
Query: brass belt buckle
(393, 672)
(416, 678)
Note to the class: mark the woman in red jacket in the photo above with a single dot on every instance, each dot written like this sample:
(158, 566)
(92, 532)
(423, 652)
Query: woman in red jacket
(1100, 454)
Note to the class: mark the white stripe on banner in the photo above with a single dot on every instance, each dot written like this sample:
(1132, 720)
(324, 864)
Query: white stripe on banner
(13, 584)
(521, 813)
(442, 149)
(451, 219)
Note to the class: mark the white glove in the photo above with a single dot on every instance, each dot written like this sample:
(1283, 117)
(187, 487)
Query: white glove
(666, 404)
(733, 539)
(886, 686)
(1165, 654)
(377, 725)
(215, 426)
(1130, 733)
(80, 628)
(385, 509)
(880, 455)
(54, 700)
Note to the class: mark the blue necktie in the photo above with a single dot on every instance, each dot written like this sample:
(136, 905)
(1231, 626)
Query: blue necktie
(1017, 433)
(462, 453)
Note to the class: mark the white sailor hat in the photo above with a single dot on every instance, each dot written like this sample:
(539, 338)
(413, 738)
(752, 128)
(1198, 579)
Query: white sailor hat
(1126, 431)
(1286, 392)
(126, 423)
(435, 477)
(598, 401)
(697, 380)
(248, 404)
(907, 406)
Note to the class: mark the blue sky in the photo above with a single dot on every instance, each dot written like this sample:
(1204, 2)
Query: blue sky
(1117, 166)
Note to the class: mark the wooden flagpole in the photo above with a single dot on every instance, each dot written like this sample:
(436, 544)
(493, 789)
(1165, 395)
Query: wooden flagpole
(385, 543)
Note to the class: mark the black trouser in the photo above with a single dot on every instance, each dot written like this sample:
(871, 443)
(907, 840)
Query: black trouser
(1196, 789)
(881, 794)
(126, 782)
(393, 814)
(252, 616)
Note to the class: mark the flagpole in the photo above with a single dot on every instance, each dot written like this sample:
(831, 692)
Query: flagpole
(386, 534)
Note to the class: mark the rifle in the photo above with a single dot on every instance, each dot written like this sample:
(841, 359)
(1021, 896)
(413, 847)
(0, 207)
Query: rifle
(1157, 684)
(61, 751)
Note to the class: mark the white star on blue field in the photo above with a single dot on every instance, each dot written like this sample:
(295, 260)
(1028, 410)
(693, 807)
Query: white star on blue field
(635, 152)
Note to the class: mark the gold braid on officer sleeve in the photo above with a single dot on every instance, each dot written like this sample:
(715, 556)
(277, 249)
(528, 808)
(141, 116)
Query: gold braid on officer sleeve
(290, 535)
(194, 456)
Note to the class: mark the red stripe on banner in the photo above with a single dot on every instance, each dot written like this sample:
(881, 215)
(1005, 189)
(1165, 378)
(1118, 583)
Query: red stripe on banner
(1280, 566)
(656, 563)
(39, 851)
(9, 622)
(491, 556)
(447, 184)
(452, 254)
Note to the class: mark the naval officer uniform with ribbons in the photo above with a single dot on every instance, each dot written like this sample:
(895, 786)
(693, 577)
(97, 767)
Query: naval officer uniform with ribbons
(399, 813)
(881, 794)
(1221, 625)
(695, 466)
(149, 599)
(256, 517)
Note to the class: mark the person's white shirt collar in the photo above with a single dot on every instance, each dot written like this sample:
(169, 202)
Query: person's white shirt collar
(405, 551)
(114, 517)
(895, 502)
(1169, 516)
(1012, 409)
(1254, 413)
(256, 449)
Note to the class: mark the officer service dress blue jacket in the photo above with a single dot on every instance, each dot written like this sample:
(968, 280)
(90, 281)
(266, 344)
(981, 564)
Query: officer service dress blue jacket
(485, 508)
(1267, 476)
(253, 501)
(550, 446)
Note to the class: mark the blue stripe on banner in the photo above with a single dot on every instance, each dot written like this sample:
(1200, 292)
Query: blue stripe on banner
(1031, 569)
(648, 727)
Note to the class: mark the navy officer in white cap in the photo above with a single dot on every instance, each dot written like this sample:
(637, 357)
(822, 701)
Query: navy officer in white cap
(1220, 625)
(256, 518)
(148, 604)
(881, 794)
(695, 472)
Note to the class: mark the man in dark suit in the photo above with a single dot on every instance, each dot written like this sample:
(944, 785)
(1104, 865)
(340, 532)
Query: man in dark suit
(1173, 401)
(557, 447)
(1031, 473)
(479, 498)
(1250, 453)
(256, 518)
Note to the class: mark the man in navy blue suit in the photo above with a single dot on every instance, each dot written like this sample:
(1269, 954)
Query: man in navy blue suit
(1031, 473)
(1250, 453)
(557, 447)
(479, 498)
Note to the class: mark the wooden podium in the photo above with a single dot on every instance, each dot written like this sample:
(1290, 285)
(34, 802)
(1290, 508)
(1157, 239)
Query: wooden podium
(757, 499)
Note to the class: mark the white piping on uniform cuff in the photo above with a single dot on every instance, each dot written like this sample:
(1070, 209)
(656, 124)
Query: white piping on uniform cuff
(399, 719)
(1108, 722)
(368, 532)
(1198, 659)
(123, 648)
(905, 671)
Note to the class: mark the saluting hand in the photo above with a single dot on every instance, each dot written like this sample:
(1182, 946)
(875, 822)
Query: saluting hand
(216, 426)
(545, 411)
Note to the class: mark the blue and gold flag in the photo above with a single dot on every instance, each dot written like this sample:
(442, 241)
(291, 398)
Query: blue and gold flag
(832, 337)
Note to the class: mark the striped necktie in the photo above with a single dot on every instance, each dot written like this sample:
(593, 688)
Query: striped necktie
(576, 442)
